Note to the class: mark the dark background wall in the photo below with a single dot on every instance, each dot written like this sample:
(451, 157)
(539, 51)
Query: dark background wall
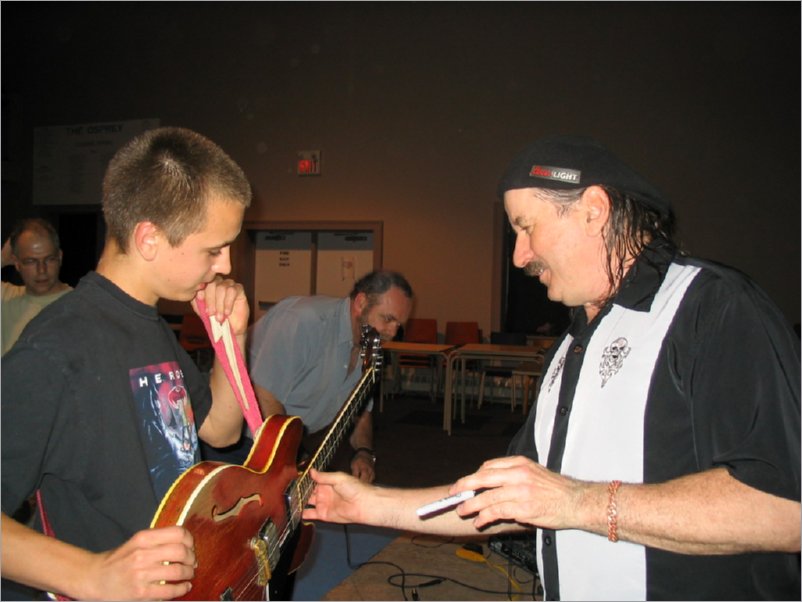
(418, 107)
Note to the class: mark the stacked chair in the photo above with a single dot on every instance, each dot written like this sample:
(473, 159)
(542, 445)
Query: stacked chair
(421, 330)
(498, 371)
(463, 333)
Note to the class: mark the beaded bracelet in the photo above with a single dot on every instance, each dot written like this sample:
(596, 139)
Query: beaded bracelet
(612, 511)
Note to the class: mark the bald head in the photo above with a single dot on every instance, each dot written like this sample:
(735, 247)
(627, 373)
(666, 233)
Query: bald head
(37, 257)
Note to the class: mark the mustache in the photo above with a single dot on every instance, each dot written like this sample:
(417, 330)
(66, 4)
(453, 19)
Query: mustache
(534, 268)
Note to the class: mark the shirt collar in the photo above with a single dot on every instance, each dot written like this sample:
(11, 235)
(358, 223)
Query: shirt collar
(346, 333)
(645, 277)
(640, 284)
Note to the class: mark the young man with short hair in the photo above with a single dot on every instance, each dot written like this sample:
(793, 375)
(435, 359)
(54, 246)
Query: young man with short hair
(102, 409)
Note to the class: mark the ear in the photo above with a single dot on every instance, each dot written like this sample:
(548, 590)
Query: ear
(146, 239)
(595, 209)
(360, 302)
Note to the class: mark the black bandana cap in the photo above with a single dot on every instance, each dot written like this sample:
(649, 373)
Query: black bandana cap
(572, 162)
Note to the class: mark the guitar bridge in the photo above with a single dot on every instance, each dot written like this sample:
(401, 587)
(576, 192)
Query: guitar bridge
(259, 547)
(266, 548)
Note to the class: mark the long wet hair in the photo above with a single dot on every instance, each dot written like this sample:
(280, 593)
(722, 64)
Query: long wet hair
(630, 227)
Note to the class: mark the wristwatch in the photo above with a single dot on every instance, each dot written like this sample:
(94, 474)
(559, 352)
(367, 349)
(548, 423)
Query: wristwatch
(368, 451)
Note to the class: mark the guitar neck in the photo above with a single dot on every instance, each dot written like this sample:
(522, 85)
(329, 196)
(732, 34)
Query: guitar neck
(339, 429)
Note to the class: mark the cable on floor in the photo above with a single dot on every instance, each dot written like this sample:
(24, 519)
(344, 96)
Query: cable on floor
(438, 579)
(431, 580)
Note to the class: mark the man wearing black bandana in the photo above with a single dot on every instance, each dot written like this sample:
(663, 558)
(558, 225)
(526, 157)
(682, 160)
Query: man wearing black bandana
(662, 458)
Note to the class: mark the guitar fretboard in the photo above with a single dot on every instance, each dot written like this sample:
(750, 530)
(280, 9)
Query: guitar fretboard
(320, 460)
(339, 429)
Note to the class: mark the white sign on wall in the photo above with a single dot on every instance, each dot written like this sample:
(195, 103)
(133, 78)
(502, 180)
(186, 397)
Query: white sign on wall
(283, 267)
(342, 259)
(308, 262)
(69, 160)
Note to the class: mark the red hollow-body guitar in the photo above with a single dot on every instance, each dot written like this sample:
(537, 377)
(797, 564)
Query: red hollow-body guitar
(246, 520)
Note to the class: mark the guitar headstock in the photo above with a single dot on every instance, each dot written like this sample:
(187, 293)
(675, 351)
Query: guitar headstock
(370, 348)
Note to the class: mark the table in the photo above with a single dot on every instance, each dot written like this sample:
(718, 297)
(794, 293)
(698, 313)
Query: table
(430, 350)
(480, 351)
(529, 372)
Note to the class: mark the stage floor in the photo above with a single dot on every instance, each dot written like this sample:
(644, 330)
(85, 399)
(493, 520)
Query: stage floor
(434, 568)
(413, 451)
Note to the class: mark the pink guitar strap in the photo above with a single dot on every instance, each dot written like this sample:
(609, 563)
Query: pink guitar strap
(48, 530)
(230, 356)
(45, 522)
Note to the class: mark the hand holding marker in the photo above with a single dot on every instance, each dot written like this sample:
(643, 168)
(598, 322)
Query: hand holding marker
(446, 502)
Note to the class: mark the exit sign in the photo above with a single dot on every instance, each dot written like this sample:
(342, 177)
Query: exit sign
(309, 163)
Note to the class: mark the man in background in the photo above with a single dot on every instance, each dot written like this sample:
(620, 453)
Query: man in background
(304, 359)
(34, 250)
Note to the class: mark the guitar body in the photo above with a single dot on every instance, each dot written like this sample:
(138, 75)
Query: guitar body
(245, 520)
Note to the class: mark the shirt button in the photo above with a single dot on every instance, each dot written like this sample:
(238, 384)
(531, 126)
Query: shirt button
(578, 349)
(563, 410)
(547, 540)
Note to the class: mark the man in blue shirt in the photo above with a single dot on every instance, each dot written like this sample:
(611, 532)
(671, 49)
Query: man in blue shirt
(304, 356)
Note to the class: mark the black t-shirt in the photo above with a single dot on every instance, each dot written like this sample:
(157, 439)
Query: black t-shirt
(97, 412)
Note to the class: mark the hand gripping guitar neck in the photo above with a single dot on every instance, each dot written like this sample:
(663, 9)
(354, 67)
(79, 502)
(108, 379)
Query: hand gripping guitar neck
(246, 521)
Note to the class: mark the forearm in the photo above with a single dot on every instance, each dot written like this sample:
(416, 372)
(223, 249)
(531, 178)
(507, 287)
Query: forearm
(704, 513)
(268, 403)
(362, 435)
(224, 302)
(342, 498)
(223, 424)
(25, 552)
(396, 509)
(363, 462)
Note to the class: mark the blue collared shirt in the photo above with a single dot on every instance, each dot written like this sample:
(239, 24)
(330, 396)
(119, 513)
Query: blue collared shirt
(300, 351)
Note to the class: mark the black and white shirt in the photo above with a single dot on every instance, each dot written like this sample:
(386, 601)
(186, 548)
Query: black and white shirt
(690, 367)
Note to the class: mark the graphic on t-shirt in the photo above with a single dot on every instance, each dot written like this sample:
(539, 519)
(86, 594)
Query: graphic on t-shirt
(167, 422)
(613, 358)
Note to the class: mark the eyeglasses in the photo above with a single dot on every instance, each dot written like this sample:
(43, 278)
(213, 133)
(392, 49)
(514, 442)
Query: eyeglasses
(32, 262)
